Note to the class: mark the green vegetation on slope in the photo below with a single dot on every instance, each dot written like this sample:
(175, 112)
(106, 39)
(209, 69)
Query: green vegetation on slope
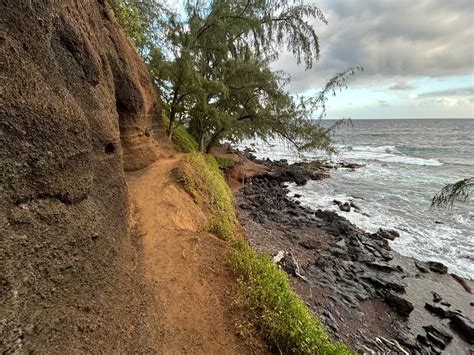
(134, 17)
(224, 162)
(286, 323)
(281, 314)
(182, 140)
(207, 186)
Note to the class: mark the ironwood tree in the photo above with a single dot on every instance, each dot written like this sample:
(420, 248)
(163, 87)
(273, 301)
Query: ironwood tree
(212, 65)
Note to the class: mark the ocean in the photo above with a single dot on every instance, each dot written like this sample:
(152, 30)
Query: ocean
(405, 163)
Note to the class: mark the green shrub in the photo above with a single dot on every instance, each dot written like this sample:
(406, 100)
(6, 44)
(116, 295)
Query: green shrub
(282, 316)
(183, 141)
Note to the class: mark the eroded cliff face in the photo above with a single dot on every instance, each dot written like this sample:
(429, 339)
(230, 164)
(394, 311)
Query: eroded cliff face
(76, 110)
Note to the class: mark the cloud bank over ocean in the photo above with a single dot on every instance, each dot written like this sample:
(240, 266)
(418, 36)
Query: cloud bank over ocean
(417, 52)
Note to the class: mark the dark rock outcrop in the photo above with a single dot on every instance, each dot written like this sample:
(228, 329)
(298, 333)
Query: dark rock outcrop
(437, 267)
(436, 297)
(464, 326)
(440, 310)
(422, 267)
(400, 304)
(362, 290)
(440, 337)
(76, 109)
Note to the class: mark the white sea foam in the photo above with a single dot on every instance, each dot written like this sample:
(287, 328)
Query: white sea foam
(386, 153)
(411, 160)
(368, 148)
(396, 184)
(421, 238)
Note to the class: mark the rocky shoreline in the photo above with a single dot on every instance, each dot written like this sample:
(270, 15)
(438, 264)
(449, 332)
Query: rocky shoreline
(365, 293)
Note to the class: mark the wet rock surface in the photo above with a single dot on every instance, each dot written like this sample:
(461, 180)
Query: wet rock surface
(345, 275)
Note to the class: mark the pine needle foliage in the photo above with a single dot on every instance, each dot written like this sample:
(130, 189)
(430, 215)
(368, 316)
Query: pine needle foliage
(212, 65)
(459, 191)
(140, 22)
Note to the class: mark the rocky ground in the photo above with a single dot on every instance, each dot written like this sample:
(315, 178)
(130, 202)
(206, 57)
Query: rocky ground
(366, 294)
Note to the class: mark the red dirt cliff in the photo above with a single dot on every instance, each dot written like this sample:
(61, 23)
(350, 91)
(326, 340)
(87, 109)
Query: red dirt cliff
(76, 109)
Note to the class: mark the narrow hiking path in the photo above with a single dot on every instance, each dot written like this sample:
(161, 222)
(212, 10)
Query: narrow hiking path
(183, 268)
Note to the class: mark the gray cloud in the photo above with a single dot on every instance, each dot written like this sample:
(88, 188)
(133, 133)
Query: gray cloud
(401, 86)
(392, 40)
(383, 103)
(465, 91)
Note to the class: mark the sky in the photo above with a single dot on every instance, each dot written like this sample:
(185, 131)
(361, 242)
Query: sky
(417, 55)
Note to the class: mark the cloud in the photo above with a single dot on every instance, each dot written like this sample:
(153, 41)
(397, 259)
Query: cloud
(401, 86)
(383, 103)
(464, 91)
(392, 40)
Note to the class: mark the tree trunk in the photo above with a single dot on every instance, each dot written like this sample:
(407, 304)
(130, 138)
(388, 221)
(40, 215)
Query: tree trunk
(170, 130)
(201, 143)
(214, 139)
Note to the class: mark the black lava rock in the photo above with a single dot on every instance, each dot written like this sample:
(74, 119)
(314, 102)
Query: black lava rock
(438, 267)
(438, 335)
(436, 297)
(464, 326)
(398, 303)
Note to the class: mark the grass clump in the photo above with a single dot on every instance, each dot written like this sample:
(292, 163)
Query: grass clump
(282, 316)
(225, 162)
(214, 192)
(188, 183)
(182, 140)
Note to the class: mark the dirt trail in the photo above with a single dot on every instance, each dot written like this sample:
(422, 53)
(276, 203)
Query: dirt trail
(183, 269)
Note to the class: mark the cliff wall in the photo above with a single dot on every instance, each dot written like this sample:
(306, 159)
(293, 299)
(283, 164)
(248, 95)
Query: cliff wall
(76, 110)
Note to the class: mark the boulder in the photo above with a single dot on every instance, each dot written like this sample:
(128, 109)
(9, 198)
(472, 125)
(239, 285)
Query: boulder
(437, 267)
(354, 206)
(436, 297)
(389, 234)
(422, 267)
(398, 303)
(345, 207)
(462, 282)
(384, 266)
(440, 310)
(408, 340)
(438, 335)
(465, 326)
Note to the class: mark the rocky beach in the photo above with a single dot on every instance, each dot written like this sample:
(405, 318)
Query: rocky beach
(366, 294)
